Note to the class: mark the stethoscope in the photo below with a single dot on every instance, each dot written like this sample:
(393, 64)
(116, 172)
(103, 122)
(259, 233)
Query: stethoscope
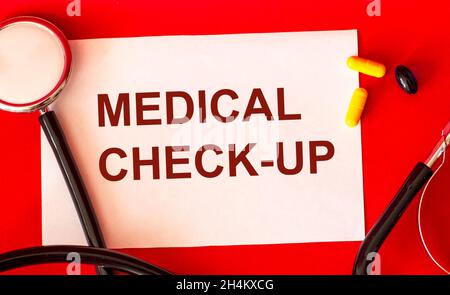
(48, 38)
(96, 253)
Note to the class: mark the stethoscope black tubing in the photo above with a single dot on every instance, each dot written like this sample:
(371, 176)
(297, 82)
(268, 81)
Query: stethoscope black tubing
(80, 197)
(379, 232)
(88, 255)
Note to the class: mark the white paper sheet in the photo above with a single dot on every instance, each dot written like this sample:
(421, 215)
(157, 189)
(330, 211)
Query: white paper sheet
(266, 209)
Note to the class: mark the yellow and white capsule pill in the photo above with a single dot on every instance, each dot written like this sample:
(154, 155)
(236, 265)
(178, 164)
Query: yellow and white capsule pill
(356, 107)
(366, 66)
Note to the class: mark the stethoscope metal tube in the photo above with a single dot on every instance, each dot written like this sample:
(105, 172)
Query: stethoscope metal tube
(440, 148)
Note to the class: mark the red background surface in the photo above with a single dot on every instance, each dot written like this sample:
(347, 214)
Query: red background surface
(398, 130)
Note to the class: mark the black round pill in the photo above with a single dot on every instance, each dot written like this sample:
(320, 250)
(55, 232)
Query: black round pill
(406, 80)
